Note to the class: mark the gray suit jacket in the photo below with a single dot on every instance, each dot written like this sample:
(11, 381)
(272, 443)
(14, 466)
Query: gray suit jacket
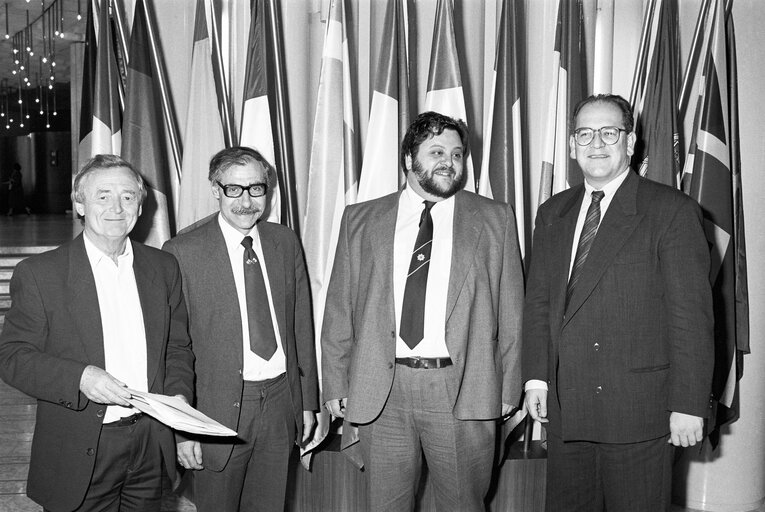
(484, 301)
(636, 340)
(215, 323)
(53, 331)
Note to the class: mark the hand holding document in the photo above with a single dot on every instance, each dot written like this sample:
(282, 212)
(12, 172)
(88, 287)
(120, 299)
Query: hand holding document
(177, 414)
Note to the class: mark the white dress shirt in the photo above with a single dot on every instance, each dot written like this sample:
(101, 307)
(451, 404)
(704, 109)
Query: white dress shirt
(255, 368)
(121, 321)
(609, 191)
(410, 206)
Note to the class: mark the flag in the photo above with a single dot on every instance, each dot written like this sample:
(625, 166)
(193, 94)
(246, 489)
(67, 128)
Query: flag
(381, 172)
(444, 93)
(100, 117)
(256, 130)
(569, 86)
(502, 169)
(656, 115)
(203, 136)
(144, 144)
(333, 168)
(715, 184)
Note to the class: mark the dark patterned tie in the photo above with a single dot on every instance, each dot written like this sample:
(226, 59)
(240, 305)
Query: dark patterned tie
(413, 309)
(589, 230)
(262, 338)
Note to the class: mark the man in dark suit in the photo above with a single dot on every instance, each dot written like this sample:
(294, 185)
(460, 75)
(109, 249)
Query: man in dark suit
(421, 332)
(251, 328)
(88, 320)
(618, 344)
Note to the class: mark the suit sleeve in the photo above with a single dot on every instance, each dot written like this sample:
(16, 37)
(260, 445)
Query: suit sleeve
(179, 359)
(511, 311)
(304, 334)
(536, 312)
(685, 262)
(337, 326)
(29, 360)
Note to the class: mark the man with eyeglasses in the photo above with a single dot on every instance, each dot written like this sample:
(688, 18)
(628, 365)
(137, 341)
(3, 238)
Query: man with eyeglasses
(617, 329)
(251, 328)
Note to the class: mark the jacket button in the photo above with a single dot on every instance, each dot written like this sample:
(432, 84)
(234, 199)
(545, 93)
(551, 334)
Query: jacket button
(69, 404)
(236, 404)
(390, 365)
(393, 334)
(596, 346)
(100, 413)
(90, 451)
(598, 390)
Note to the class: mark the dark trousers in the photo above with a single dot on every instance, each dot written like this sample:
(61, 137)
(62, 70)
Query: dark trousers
(127, 475)
(417, 420)
(255, 477)
(593, 477)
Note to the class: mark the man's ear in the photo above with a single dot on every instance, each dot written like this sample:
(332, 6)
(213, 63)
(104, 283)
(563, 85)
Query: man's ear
(408, 162)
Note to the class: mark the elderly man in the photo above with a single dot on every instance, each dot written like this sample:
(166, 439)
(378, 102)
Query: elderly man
(421, 333)
(88, 320)
(618, 345)
(251, 326)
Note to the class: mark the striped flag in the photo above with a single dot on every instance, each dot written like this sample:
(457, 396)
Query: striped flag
(444, 93)
(203, 136)
(569, 86)
(381, 172)
(257, 122)
(656, 98)
(502, 171)
(100, 117)
(333, 168)
(715, 184)
(144, 144)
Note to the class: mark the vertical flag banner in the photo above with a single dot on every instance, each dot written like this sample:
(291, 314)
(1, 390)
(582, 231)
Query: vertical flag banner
(569, 86)
(444, 93)
(203, 136)
(256, 129)
(144, 143)
(332, 178)
(502, 170)
(715, 184)
(381, 172)
(657, 152)
(100, 117)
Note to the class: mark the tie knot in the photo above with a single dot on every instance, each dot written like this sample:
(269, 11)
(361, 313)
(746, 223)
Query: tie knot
(426, 211)
(247, 242)
(597, 195)
(429, 205)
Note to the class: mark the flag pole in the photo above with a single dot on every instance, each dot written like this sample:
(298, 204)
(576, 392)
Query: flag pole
(220, 79)
(693, 59)
(642, 56)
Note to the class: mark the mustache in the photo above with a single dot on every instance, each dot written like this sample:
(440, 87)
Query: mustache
(245, 211)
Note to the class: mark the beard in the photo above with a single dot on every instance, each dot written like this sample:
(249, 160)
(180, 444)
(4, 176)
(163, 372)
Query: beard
(431, 186)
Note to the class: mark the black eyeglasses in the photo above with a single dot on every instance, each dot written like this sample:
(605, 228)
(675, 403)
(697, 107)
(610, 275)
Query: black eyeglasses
(608, 134)
(233, 191)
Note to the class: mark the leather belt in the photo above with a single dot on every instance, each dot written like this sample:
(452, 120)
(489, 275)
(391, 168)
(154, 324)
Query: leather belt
(424, 363)
(126, 421)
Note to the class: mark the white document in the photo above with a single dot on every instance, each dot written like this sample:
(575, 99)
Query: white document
(177, 414)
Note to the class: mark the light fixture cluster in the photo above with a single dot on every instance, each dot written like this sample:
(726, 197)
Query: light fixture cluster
(30, 96)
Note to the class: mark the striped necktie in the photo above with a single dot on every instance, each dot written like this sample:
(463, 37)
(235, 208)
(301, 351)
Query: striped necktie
(589, 230)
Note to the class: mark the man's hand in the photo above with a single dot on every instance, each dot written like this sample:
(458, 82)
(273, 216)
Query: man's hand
(336, 407)
(685, 429)
(309, 422)
(189, 454)
(536, 404)
(99, 386)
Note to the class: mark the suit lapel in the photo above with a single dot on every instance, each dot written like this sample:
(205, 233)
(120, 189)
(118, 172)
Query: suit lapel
(382, 232)
(83, 302)
(617, 226)
(276, 273)
(562, 235)
(153, 297)
(467, 232)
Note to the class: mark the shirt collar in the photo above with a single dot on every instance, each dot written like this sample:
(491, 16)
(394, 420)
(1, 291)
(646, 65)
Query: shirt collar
(411, 200)
(96, 256)
(610, 188)
(233, 236)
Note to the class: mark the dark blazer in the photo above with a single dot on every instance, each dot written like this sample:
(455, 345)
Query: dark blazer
(216, 324)
(53, 331)
(483, 309)
(636, 340)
